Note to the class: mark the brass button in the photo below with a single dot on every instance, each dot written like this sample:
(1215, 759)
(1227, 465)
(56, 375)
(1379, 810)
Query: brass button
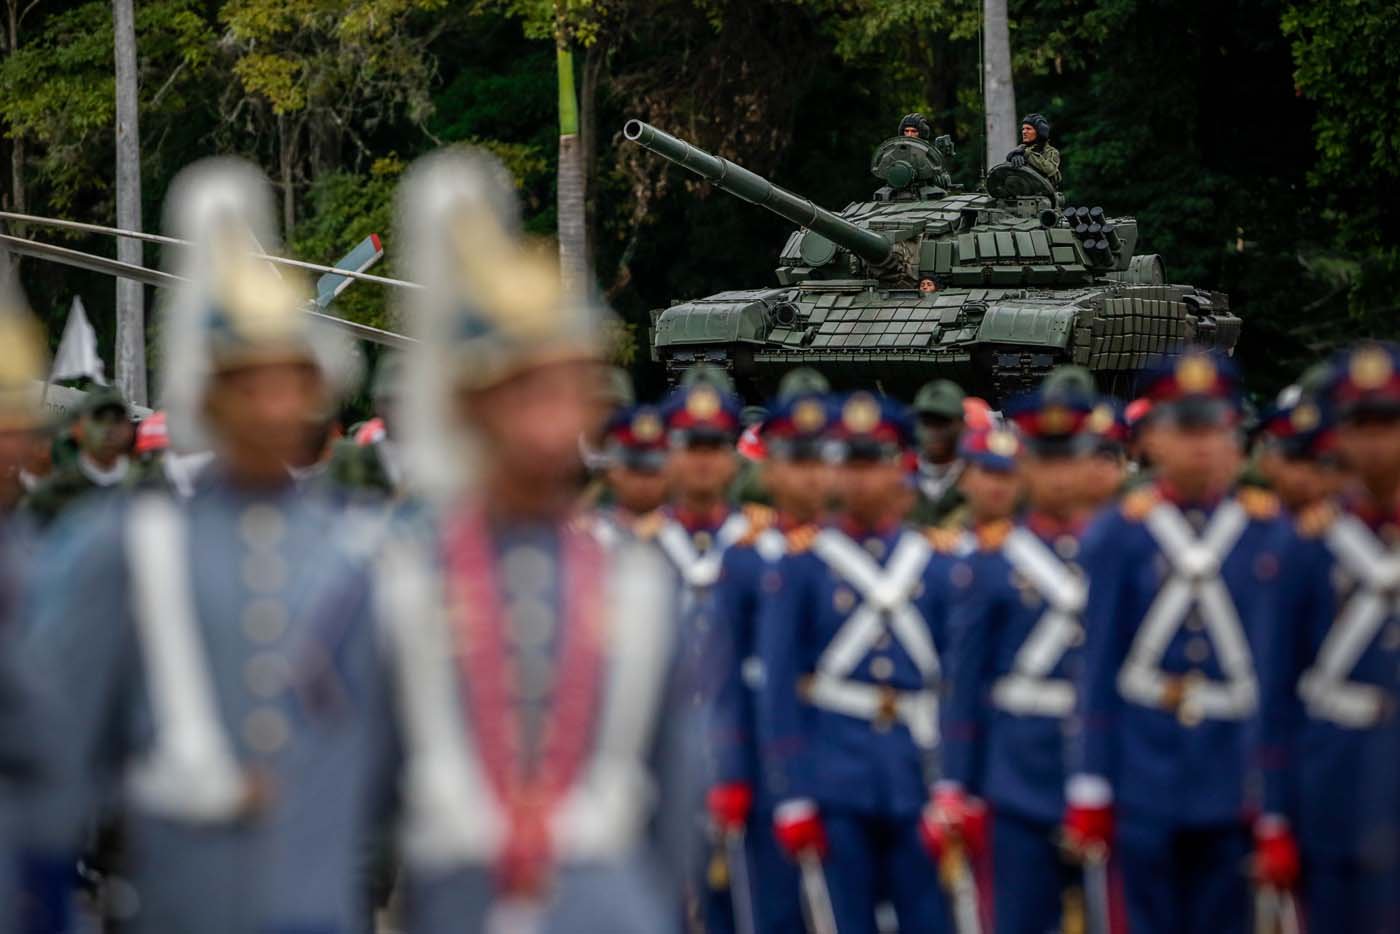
(1197, 651)
(266, 730)
(875, 547)
(527, 570)
(1067, 547)
(702, 541)
(266, 674)
(881, 668)
(265, 619)
(262, 526)
(843, 600)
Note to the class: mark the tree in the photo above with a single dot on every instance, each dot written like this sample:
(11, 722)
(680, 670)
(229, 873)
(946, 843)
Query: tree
(130, 368)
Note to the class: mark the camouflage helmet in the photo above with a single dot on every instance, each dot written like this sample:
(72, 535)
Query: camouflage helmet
(1069, 379)
(919, 122)
(941, 398)
(802, 381)
(1040, 124)
(709, 375)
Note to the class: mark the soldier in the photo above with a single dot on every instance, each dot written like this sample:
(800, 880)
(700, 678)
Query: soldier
(1106, 470)
(1183, 577)
(1329, 674)
(938, 406)
(169, 634)
(1035, 149)
(104, 433)
(634, 455)
(1295, 452)
(991, 484)
(373, 469)
(797, 476)
(529, 675)
(915, 126)
(1014, 632)
(847, 710)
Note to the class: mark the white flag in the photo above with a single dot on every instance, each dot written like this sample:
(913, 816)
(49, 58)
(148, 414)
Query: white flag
(77, 350)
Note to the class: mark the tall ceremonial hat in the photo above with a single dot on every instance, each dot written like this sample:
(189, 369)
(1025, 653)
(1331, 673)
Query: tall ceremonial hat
(1198, 389)
(1364, 381)
(233, 310)
(23, 357)
(1053, 420)
(995, 448)
(491, 306)
(870, 427)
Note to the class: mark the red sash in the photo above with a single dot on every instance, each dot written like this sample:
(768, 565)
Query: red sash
(480, 629)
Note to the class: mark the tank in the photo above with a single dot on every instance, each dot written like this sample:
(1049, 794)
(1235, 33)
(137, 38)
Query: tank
(1023, 283)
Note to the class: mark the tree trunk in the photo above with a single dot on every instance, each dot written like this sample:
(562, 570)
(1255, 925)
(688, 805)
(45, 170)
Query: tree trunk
(573, 220)
(131, 316)
(996, 81)
(19, 199)
(286, 145)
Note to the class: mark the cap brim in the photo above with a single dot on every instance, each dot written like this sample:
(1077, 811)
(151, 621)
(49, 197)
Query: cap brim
(1197, 412)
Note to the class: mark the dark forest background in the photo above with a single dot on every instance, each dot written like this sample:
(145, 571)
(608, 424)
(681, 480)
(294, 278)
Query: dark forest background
(1257, 141)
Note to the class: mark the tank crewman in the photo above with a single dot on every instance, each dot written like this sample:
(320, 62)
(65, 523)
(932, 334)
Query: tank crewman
(104, 433)
(177, 684)
(1329, 674)
(916, 126)
(1183, 578)
(798, 478)
(530, 672)
(1014, 632)
(634, 457)
(373, 469)
(847, 710)
(1035, 149)
(938, 406)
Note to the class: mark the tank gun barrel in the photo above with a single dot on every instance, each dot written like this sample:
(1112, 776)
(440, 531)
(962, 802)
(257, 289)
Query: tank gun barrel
(754, 188)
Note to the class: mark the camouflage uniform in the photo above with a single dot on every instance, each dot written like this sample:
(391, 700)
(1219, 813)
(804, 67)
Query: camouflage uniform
(1045, 159)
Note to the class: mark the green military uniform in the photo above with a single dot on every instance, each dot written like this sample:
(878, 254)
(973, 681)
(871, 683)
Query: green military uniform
(939, 499)
(1045, 159)
(73, 480)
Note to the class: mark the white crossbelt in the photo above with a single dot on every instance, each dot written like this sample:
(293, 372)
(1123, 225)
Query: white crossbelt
(1028, 689)
(1194, 582)
(886, 594)
(1326, 688)
(700, 570)
(192, 772)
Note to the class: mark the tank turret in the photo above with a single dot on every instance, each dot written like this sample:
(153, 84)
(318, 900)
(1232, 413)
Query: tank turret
(991, 287)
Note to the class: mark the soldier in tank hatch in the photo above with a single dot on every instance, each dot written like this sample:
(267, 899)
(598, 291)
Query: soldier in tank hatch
(1035, 149)
(915, 126)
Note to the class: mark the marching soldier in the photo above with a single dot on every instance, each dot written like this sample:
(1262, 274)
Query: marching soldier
(1330, 672)
(1183, 578)
(634, 471)
(990, 483)
(373, 468)
(1014, 631)
(104, 433)
(797, 476)
(847, 710)
(1295, 451)
(528, 675)
(176, 684)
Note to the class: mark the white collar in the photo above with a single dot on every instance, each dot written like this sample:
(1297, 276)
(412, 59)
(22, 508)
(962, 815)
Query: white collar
(111, 476)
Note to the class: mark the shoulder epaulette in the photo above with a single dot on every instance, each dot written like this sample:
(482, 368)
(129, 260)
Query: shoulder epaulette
(760, 518)
(992, 536)
(647, 527)
(1138, 503)
(1259, 504)
(801, 538)
(1315, 520)
(944, 540)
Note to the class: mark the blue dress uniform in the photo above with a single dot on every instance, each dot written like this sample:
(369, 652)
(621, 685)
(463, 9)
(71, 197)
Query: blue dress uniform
(795, 427)
(1179, 593)
(848, 710)
(635, 437)
(171, 635)
(1015, 631)
(1330, 672)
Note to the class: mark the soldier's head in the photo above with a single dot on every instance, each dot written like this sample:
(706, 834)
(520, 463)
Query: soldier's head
(1364, 391)
(104, 430)
(634, 448)
(1034, 129)
(1294, 449)
(938, 406)
(702, 426)
(1053, 423)
(915, 126)
(928, 285)
(797, 472)
(1107, 468)
(1192, 432)
(874, 436)
(991, 481)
